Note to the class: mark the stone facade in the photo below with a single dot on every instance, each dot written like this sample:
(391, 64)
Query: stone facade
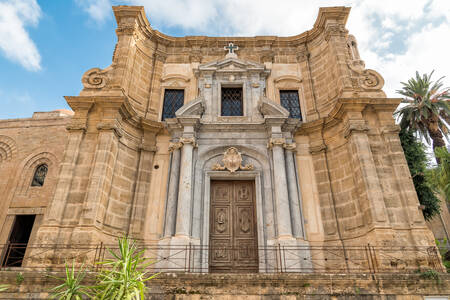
(338, 177)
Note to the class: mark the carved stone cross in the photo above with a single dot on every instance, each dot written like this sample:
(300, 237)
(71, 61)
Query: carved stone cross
(231, 48)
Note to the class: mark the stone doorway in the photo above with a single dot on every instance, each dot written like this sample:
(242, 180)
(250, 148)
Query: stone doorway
(233, 235)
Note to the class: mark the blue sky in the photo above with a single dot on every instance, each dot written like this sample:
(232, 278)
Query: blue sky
(46, 46)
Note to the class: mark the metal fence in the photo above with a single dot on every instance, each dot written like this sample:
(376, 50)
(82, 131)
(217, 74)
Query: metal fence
(270, 259)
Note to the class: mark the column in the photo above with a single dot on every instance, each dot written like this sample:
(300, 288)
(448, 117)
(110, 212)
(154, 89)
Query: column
(185, 188)
(294, 195)
(284, 225)
(172, 193)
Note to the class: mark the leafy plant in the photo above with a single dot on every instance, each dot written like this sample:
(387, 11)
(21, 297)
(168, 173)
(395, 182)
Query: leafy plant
(417, 159)
(439, 177)
(72, 287)
(19, 278)
(124, 276)
(427, 111)
(4, 287)
(430, 274)
(445, 253)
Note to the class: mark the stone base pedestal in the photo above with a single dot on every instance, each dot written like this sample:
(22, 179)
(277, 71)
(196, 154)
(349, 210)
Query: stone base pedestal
(178, 254)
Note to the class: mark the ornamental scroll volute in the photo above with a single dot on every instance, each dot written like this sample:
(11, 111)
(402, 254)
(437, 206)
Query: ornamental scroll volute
(367, 79)
(95, 78)
(232, 161)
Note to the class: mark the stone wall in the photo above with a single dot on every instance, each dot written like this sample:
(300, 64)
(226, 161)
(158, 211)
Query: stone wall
(24, 145)
(258, 286)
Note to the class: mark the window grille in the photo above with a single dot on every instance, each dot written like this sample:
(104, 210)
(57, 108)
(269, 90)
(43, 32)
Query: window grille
(173, 100)
(232, 102)
(290, 101)
(39, 175)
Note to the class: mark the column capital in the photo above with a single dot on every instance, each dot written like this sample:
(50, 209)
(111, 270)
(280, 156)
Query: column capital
(276, 142)
(188, 140)
(175, 146)
(290, 146)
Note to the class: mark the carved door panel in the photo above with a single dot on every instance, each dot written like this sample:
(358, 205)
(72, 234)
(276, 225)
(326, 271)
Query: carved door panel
(233, 238)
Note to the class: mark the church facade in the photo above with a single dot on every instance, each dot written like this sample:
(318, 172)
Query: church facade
(216, 143)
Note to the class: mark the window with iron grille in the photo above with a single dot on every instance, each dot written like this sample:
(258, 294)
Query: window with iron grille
(290, 101)
(39, 175)
(232, 102)
(173, 100)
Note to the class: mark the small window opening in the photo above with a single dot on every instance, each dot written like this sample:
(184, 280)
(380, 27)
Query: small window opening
(39, 175)
(289, 100)
(232, 102)
(18, 241)
(173, 100)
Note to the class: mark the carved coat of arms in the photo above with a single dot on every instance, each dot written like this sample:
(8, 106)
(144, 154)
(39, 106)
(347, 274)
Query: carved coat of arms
(232, 161)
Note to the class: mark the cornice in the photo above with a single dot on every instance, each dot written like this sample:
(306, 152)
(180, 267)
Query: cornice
(344, 105)
(130, 16)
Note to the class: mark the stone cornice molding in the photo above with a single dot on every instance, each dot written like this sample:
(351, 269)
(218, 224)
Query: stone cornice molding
(344, 105)
(179, 77)
(131, 18)
(287, 78)
(353, 126)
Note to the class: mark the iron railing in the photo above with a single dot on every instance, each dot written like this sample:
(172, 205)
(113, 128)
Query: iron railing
(271, 259)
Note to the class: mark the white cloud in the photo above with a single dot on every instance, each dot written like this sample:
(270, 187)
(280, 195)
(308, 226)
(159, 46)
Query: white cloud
(98, 10)
(395, 38)
(15, 42)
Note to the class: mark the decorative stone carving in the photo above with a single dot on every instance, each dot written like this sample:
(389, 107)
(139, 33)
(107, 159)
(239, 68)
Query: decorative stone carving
(191, 140)
(270, 108)
(367, 79)
(290, 146)
(334, 29)
(174, 146)
(232, 161)
(95, 78)
(276, 142)
(371, 80)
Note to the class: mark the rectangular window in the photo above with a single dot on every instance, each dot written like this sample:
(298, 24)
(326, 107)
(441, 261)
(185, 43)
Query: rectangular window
(232, 102)
(173, 100)
(18, 241)
(290, 101)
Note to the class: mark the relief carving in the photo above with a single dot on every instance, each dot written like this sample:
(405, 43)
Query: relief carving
(244, 221)
(232, 161)
(221, 221)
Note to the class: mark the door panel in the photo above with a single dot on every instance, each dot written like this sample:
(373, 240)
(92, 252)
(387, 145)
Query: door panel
(233, 236)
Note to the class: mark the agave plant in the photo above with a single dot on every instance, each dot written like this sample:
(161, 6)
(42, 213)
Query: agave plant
(3, 287)
(72, 287)
(123, 276)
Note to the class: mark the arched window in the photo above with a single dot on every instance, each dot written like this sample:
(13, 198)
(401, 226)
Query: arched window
(39, 175)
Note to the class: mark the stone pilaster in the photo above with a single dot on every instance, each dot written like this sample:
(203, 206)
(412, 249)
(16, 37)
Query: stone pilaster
(183, 219)
(284, 225)
(48, 232)
(100, 179)
(172, 193)
(294, 193)
(365, 172)
(147, 151)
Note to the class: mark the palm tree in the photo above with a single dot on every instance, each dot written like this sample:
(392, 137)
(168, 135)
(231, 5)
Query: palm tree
(428, 110)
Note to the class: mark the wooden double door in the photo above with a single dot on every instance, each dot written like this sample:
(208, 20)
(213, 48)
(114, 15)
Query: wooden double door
(233, 235)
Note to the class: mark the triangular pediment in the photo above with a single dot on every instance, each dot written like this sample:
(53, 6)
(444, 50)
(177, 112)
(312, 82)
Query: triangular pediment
(231, 65)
